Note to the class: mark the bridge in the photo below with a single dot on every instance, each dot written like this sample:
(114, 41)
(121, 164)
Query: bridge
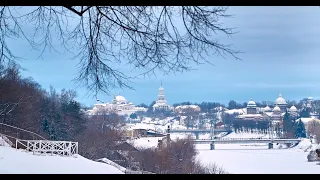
(270, 142)
(198, 131)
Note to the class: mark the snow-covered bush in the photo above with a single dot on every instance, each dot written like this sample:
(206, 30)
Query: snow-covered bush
(208, 169)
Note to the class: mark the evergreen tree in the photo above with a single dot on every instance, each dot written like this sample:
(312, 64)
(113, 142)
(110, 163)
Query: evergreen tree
(142, 105)
(150, 108)
(300, 129)
(305, 113)
(133, 116)
(233, 105)
(288, 125)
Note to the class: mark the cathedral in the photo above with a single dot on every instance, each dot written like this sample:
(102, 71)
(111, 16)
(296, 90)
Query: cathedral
(252, 113)
(276, 114)
(161, 103)
(119, 105)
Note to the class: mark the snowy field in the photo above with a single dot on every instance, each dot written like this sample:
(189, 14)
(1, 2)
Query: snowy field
(14, 161)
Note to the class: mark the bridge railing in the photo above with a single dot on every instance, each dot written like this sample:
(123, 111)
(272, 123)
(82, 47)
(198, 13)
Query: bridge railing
(19, 133)
(198, 130)
(248, 138)
(244, 139)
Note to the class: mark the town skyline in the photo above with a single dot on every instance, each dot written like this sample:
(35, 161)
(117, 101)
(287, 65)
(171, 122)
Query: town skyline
(193, 102)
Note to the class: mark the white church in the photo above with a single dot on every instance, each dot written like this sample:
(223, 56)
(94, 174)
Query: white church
(161, 103)
(119, 105)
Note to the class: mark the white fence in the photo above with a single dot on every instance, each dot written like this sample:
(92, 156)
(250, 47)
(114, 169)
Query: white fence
(43, 146)
(62, 148)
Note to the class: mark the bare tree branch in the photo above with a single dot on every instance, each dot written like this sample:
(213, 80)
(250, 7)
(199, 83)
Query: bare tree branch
(107, 39)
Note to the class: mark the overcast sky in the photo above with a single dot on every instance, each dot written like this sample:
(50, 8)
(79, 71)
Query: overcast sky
(280, 45)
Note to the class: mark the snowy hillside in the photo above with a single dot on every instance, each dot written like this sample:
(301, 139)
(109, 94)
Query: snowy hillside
(14, 161)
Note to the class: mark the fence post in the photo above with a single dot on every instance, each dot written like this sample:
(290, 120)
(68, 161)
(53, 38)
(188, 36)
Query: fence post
(64, 148)
(77, 151)
(52, 148)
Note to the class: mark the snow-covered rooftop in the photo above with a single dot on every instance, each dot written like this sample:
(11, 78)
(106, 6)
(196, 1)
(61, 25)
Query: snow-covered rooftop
(145, 142)
(250, 115)
(187, 106)
(239, 111)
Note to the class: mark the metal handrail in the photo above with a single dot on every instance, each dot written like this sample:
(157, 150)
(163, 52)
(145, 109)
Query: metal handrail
(23, 130)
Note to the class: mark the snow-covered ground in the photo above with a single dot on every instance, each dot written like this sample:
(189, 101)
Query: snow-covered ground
(5, 141)
(160, 126)
(145, 142)
(14, 161)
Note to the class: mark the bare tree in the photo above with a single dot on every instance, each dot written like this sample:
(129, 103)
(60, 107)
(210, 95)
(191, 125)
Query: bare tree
(317, 132)
(146, 38)
(101, 136)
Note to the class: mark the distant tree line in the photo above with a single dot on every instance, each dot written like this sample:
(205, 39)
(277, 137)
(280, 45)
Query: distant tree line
(251, 126)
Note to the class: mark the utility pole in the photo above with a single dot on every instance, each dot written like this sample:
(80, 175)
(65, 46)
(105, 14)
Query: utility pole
(211, 130)
(271, 130)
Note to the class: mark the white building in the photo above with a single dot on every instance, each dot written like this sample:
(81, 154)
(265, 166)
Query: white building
(252, 112)
(161, 103)
(281, 103)
(276, 114)
(185, 108)
(119, 106)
